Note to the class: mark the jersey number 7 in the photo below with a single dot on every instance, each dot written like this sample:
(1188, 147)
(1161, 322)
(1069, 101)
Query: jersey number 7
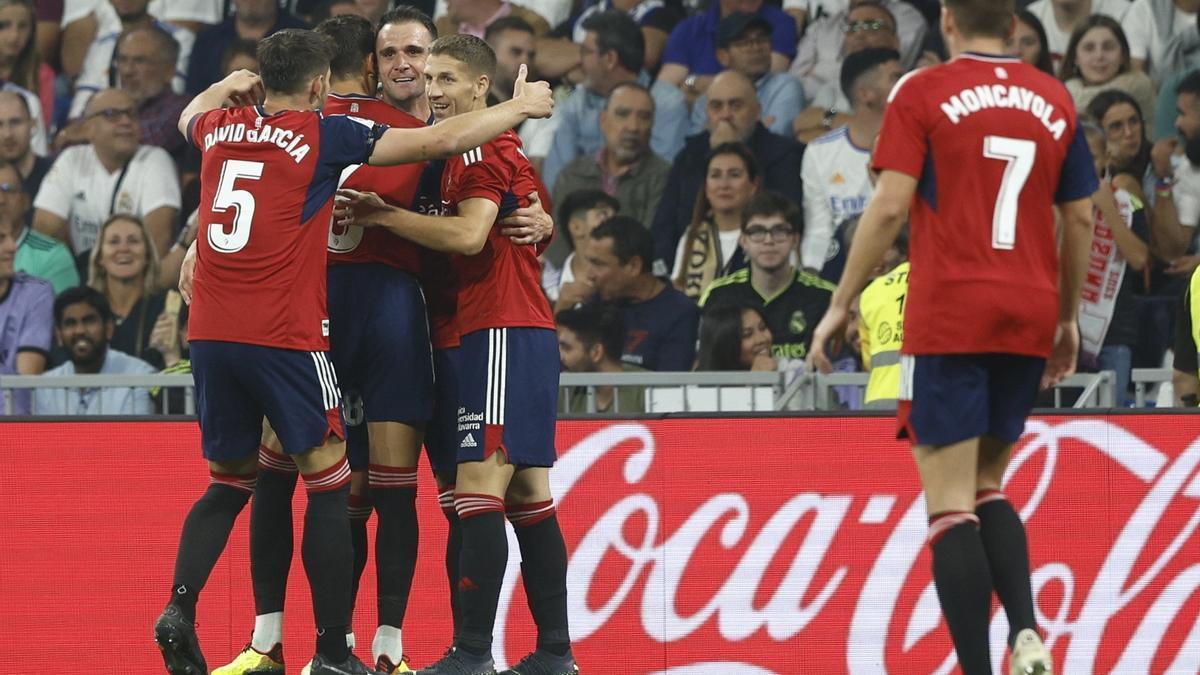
(228, 196)
(1018, 155)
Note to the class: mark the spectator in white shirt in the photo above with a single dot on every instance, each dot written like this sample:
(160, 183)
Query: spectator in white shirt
(112, 174)
(837, 183)
(1150, 25)
(84, 324)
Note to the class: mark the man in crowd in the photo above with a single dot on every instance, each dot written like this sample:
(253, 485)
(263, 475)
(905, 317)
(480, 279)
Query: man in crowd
(690, 61)
(829, 38)
(660, 322)
(113, 20)
(84, 325)
(1177, 193)
(26, 316)
(625, 167)
(37, 255)
(251, 20)
(828, 108)
(579, 212)
(590, 340)
(515, 44)
(837, 184)
(145, 63)
(16, 135)
(792, 300)
(113, 173)
(734, 115)
(612, 53)
(473, 17)
(744, 45)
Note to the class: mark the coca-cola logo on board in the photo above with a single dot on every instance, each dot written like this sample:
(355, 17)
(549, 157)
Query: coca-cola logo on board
(719, 546)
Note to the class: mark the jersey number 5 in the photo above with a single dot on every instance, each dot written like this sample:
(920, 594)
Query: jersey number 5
(227, 196)
(1017, 154)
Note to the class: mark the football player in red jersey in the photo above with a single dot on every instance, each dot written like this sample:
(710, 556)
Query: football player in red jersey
(977, 152)
(258, 324)
(507, 377)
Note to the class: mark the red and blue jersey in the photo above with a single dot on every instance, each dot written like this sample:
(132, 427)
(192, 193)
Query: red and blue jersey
(994, 144)
(267, 185)
(396, 185)
(499, 287)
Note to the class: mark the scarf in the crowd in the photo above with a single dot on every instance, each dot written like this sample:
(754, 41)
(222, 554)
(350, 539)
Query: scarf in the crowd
(1105, 273)
(704, 259)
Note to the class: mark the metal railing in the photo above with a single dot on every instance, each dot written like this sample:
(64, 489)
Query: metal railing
(661, 392)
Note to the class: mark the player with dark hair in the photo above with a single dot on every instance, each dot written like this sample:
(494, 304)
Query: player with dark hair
(258, 326)
(980, 149)
(507, 354)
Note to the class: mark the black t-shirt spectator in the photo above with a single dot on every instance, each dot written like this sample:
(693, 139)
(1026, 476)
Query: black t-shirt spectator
(792, 314)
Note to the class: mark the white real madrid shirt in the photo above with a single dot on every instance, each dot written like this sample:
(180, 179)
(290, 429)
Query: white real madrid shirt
(78, 189)
(837, 186)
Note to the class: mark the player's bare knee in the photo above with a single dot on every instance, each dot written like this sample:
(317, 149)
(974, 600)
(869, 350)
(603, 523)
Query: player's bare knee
(490, 476)
(320, 458)
(394, 444)
(994, 455)
(529, 485)
(235, 467)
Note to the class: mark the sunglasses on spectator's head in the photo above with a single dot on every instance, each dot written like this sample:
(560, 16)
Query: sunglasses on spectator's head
(113, 114)
(758, 234)
(865, 26)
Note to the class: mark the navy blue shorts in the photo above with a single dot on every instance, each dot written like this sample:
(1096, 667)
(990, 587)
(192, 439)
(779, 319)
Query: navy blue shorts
(441, 434)
(949, 398)
(508, 384)
(238, 384)
(379, 341)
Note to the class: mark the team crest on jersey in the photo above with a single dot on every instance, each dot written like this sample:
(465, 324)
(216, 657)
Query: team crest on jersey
(353, 107)
(798, 322)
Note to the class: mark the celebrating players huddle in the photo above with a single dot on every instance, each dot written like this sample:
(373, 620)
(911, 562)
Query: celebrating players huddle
(433, 326)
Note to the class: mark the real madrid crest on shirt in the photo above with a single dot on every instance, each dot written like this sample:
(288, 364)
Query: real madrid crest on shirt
(798, 322)
(124, 203)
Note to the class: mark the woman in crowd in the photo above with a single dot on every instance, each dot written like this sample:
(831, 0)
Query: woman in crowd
(1111, 329)
(125, 268)
(1029, 42)
(1097, 59)
(709, 248)
(20, 62)
(1127, 150)
(734, 338)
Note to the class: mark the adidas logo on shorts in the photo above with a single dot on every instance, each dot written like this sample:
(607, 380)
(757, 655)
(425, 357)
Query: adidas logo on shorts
(468, 442)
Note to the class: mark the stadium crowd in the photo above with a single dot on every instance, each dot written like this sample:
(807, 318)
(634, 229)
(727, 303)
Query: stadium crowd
(707, 163)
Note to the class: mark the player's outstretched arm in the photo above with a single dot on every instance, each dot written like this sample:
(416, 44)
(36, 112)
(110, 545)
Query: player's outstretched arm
(1073, 255)
(461, 133)
(465, 233)
(877, 230)
(241, 87)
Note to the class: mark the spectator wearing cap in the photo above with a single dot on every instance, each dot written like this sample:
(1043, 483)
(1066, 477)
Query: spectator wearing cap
(690, 60)
(861, 24)
(625, 167)
(744, 45)
(660, 322)
(25, 304)
(16, 141)
(612, 54)
(251, 20)
(37, 255)
(99, 66)
(837, 184)
(656, 18)
(734, 116)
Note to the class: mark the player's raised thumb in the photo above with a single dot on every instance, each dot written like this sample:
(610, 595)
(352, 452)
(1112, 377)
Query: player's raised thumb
(519, 83)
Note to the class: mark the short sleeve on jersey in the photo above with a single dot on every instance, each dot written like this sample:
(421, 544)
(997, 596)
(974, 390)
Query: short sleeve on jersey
(486, 178)
(902, 143)
(1078, 179)
(196, 128)
(347, 140)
